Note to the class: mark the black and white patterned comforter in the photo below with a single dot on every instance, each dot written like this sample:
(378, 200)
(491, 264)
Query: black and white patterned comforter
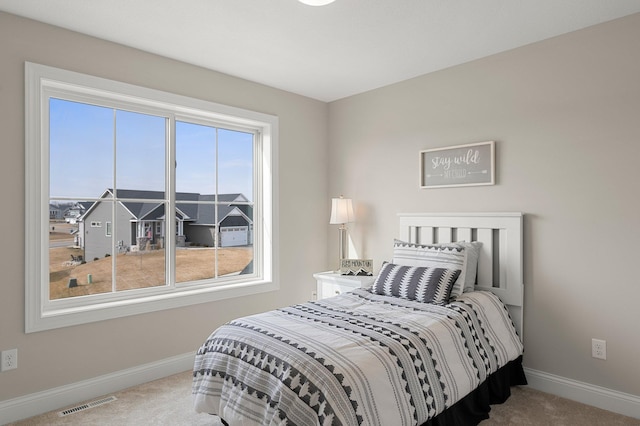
(357, 358)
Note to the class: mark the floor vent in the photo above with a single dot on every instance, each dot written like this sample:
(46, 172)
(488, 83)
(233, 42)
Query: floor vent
(86, 406)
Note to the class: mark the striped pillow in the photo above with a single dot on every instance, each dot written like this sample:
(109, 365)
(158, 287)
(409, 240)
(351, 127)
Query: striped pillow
(433, 256)
(422, 284)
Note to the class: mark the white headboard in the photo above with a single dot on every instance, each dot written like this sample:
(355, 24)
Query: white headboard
(500, 262)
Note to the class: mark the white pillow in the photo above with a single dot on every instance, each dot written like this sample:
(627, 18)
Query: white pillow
(460, 255)
(472, 250)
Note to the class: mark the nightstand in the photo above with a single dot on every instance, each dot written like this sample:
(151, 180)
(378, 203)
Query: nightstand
(331, 283)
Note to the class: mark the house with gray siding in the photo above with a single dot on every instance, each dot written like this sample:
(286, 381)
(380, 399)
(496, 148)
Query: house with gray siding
(139, 222)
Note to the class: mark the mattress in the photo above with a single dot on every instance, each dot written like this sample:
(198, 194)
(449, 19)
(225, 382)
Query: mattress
(354, 359)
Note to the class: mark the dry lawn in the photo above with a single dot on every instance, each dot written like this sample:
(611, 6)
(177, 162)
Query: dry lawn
(139, 270)
(60, 231)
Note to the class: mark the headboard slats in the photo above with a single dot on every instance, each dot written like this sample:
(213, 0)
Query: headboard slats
(500, 262)
(425, 234)
(464, 234)
(485, 259)
(444, 235)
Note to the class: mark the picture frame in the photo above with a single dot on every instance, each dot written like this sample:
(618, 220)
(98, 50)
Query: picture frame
(461, 165)
(357, 267)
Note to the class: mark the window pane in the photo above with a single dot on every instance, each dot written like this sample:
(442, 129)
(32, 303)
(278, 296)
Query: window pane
(80, 149)
(140, 244)
(195, 241)
(236, 242)
(235, 163)
(70, 272)
(201, 247)
(195, 158)
(140, 152)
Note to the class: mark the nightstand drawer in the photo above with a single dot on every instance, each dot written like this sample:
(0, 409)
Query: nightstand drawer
(333, 289)
(331, 284)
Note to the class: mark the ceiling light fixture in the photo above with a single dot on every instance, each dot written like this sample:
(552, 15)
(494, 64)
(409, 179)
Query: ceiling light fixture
(316, 2)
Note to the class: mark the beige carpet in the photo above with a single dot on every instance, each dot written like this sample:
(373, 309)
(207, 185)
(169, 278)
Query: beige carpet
(168, 402)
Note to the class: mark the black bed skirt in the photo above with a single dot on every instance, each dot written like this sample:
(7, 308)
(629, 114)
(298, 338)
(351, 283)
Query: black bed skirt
(475, 407)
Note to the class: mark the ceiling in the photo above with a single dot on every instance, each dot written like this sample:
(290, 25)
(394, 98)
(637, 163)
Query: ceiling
(329, 52)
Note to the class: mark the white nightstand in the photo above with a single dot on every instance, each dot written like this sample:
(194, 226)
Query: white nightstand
(332, 283)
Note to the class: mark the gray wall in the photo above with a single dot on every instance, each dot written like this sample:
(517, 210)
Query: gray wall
(54, 358)
(565, 115)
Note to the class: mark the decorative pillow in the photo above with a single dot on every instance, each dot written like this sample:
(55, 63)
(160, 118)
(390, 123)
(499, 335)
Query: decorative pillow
(472, 250)
(460, 255)
(422, 284)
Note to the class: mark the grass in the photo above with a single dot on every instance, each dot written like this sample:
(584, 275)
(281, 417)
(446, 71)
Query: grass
(60, 231)
(138, 270)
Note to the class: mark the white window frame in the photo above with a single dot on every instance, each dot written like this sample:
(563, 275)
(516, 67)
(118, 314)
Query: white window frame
(43, 314)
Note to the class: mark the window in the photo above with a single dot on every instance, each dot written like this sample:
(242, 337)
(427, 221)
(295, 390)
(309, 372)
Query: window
(167, 175)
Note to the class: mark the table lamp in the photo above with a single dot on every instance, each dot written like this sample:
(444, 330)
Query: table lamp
(341, 214)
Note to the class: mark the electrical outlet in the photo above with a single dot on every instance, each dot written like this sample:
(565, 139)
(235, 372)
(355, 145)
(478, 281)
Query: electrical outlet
(599, 348)
(314, 295)
(9, 360)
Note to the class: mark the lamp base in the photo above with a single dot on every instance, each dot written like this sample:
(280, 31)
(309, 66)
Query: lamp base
(343, 248)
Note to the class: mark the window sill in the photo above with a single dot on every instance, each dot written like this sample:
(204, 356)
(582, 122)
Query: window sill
(67, 316)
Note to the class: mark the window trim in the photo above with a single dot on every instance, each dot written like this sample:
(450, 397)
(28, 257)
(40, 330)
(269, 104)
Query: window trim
(39, 313)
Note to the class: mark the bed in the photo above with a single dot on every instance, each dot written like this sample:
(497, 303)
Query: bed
(434, 341)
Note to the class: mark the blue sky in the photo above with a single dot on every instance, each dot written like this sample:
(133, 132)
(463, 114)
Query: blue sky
(82, 153)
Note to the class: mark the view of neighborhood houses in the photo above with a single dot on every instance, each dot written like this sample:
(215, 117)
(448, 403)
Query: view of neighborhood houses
(107, 204)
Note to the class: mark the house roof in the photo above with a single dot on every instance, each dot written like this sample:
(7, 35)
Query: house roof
(206, 213)
(196, 213)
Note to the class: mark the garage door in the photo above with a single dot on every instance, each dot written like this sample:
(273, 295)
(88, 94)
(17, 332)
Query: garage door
(234, 236)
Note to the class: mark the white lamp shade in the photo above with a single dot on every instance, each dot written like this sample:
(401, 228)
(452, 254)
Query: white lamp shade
(341, 211)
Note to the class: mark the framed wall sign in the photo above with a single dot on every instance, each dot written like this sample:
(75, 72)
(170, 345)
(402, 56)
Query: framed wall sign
(461, 165)
(356, 267)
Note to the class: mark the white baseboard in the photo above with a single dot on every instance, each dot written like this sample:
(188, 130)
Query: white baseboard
(607, 399)
(41, 402)
(53, 399)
